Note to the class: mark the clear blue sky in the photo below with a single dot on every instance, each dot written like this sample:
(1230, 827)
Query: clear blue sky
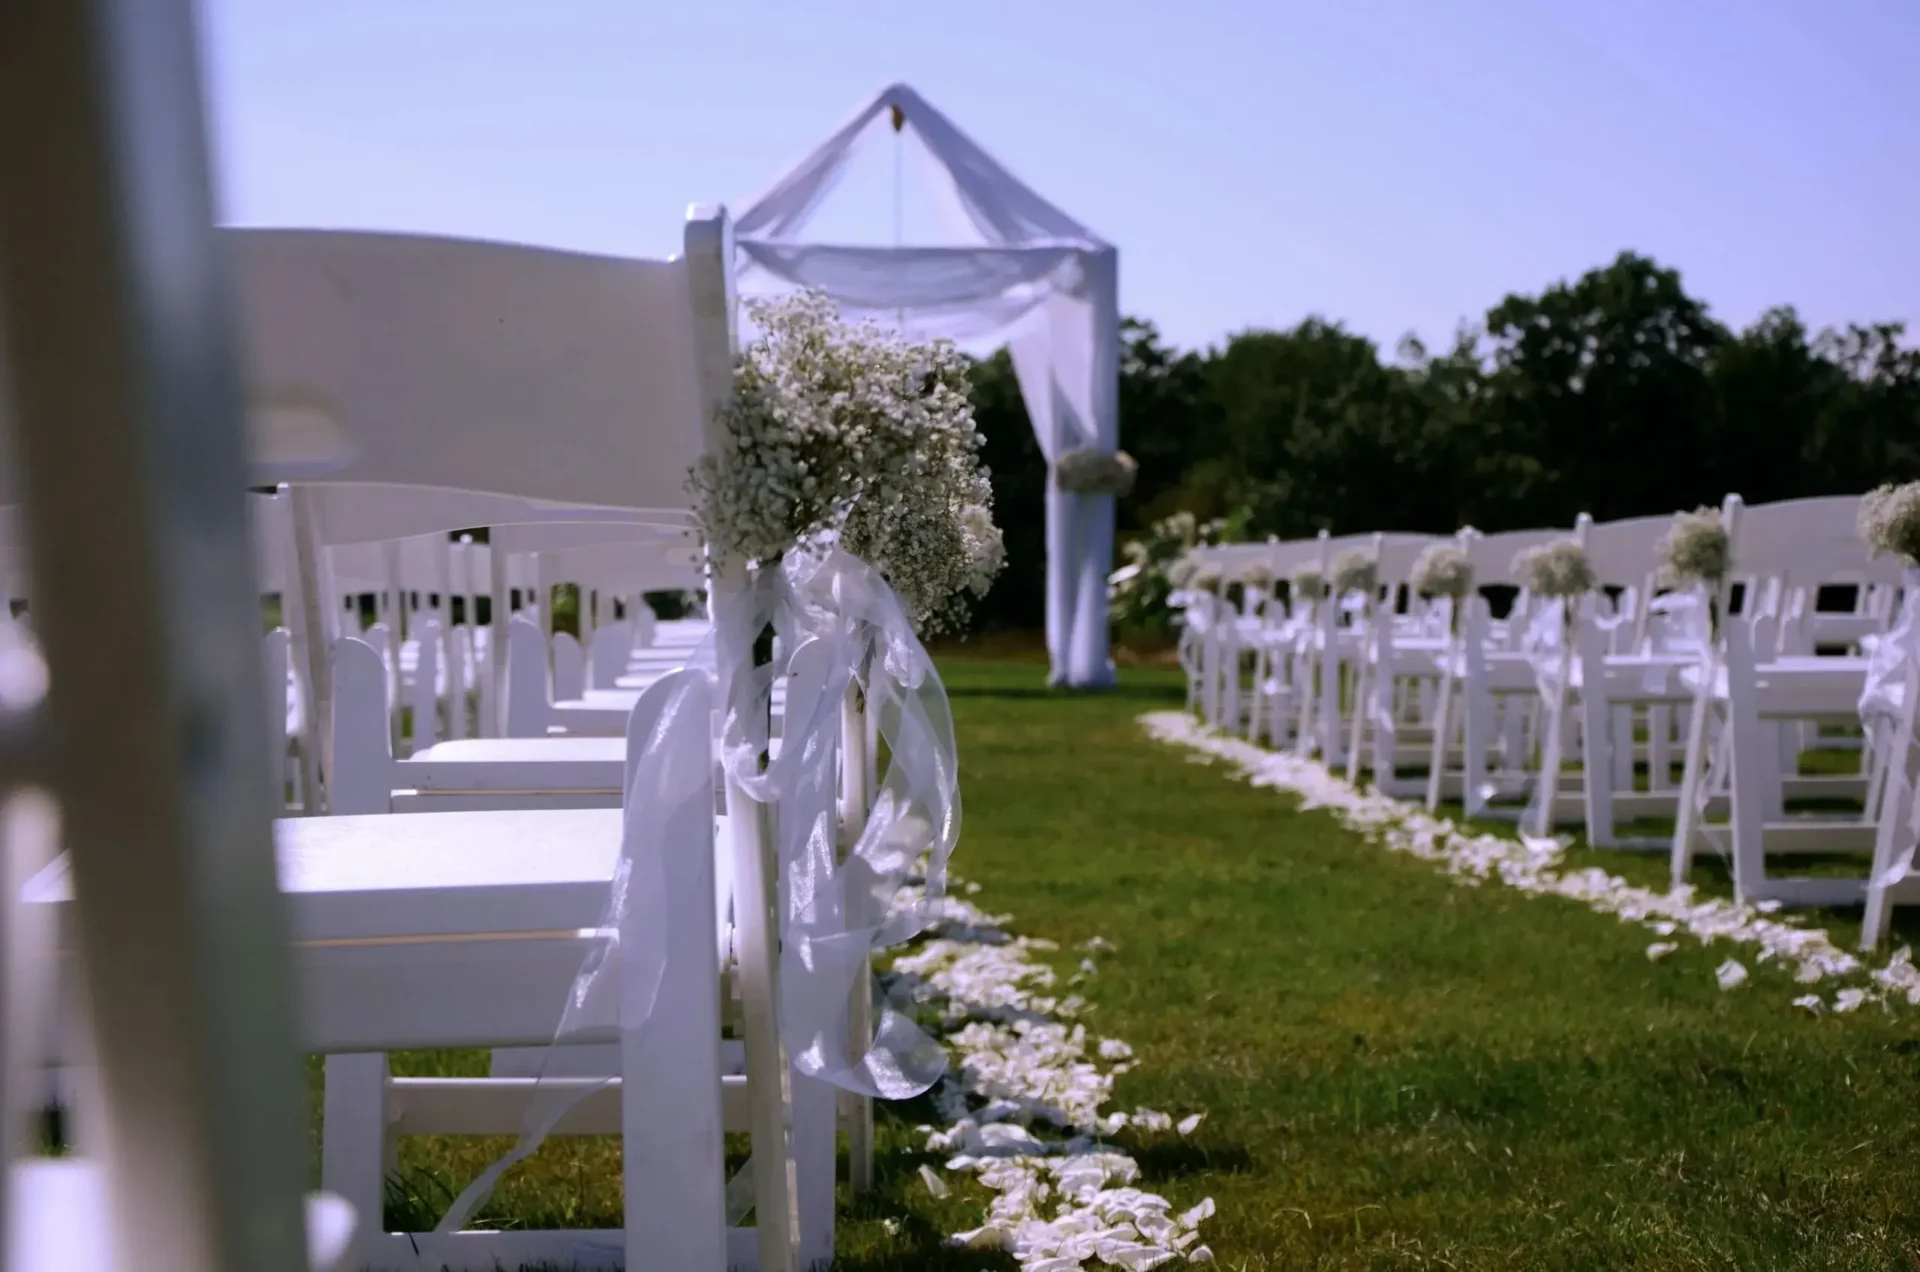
(1396, 164)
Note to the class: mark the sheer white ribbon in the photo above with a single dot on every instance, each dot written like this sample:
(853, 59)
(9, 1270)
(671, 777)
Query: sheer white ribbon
(1888, 717)
(843, 621)
(671, 779)
(1887, 655)
(1548, 645)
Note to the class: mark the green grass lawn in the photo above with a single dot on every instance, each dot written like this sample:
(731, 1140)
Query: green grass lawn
(1397, 1071)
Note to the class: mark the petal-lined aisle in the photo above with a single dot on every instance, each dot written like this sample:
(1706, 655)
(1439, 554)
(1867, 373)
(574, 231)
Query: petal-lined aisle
(1535, 865)
(1024, 1107)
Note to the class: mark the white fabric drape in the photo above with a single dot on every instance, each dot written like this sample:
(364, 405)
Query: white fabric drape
(1034, 273)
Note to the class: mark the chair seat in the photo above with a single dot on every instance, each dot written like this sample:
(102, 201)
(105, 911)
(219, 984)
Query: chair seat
(60, 1219)
(441, 874)
(510, 899)
(1799, 687)
(516, 764)
(1655, 677)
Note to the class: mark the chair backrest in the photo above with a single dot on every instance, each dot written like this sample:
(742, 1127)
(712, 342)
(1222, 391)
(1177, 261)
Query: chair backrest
(608, 651)
(1623, 553)
(360, 769)
(1805, 543)
(426, 361)
(1332, 549)
(1396, 553)
(569, 668)
(430, 363)
(528, 691)
(1491, 555)
(629, 567)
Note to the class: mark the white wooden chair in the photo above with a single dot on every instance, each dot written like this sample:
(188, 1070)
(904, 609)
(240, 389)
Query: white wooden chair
(1397, 670)
(600, 345)
(1488, 691)
(194, 1157)
(1736, 747)
(1613, 678)
(1276, 642)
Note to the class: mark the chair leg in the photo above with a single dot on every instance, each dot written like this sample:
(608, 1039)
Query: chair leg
(1692, 777)
(356, 1150)
(859, 1108)
(815, 1105)
(1443, 713)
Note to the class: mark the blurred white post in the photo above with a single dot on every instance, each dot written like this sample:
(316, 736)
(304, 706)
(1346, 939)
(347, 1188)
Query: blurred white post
(127, 394)
(709, 251)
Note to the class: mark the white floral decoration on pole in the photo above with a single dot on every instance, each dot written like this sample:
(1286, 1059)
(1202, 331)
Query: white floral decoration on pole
(1157, 566)
(1558, 571)
(986, 547)
(1088, 470)
(1307, 585)
(1890, 521)
(852, 435)
(1442, 570)
(1354, 572)
(1695, 548)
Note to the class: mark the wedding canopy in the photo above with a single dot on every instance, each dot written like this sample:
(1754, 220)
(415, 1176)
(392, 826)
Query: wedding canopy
(1024, 268)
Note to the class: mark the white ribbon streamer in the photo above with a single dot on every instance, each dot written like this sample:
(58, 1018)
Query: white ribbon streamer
(669, 802)
(842, 620)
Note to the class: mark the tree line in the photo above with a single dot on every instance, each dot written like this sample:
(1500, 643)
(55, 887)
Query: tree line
(1616, 394)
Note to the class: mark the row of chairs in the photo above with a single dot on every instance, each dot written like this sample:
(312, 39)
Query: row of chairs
(1730, 717)
(584, 888)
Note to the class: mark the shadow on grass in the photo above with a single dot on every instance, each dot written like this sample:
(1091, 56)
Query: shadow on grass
(1164, 1160)
(1124, 691)
(928, 1250)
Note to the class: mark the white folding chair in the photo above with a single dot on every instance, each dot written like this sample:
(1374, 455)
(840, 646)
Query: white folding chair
(412, 365)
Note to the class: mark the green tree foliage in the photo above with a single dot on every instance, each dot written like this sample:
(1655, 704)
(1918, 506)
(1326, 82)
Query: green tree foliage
(1616, 393)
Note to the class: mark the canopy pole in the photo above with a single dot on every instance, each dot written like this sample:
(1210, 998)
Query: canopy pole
(899, 196)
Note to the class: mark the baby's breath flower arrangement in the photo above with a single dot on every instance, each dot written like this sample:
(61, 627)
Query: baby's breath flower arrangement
(1138, 591)
(986, 547)
(852, 435)
(1257, 576)
(1307, 585)
(1442, 570)
(1557, 571)
(1890, 521)
(1088, 470)
(1695, 548)
(1354, 572)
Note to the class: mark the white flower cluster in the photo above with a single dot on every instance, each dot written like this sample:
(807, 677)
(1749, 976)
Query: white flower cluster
(849, 433)
(986, 547)
(1257, 576)
(1156, 566)
(1064, 1199)
(1557, 571)
(1443, 569)
(1088, 470)
(1354, 572)
(1890, 521)
(1307, 585)
(1695, 548)
(1536, 866)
